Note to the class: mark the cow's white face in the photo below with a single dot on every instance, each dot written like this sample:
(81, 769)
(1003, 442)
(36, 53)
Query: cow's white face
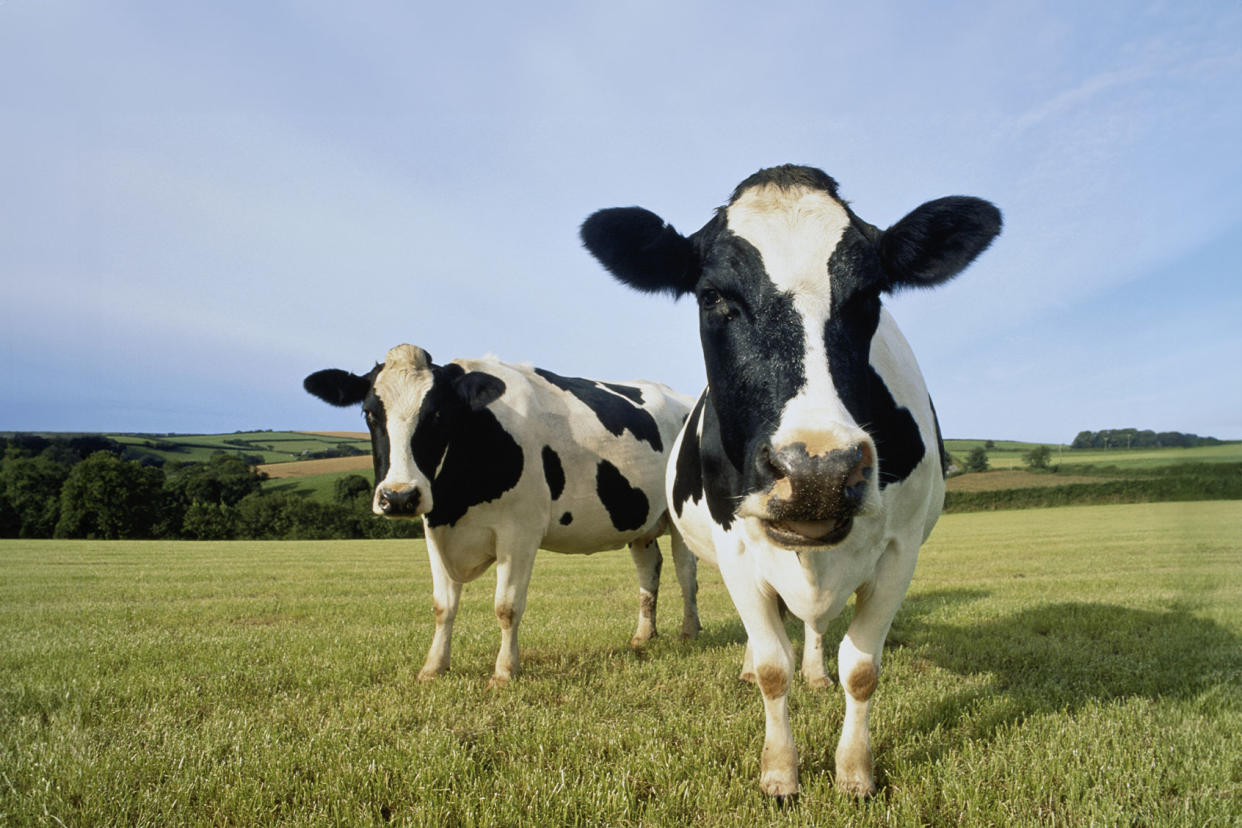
(795, 232)
(413, 409)
(799, 432)
(393, 412)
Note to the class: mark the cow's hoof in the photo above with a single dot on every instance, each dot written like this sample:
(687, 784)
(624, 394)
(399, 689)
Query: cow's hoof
(818, 682)
(640, 639)
(426, 674)
(748, 677)
(857, 788)
(783, 789)
(689, 631)
(497, 682)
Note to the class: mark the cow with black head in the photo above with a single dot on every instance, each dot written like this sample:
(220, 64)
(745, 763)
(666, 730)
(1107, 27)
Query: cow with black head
(499, 460)
(811, 467)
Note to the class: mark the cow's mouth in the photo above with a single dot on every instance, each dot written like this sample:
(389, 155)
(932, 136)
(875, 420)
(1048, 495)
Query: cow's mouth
(808, 532)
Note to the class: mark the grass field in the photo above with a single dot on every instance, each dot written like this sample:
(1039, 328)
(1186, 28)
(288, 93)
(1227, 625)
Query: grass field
(1008, 455)
(1050, 667)
(272, 446)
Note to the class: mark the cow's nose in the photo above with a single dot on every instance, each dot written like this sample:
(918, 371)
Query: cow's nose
(398, 502)
(818, 486)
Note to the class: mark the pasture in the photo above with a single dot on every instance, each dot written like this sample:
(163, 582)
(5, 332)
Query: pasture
(1008, 455)
(1072, 666)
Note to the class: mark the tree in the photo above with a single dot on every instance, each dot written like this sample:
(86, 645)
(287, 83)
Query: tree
(1037, 458)
(351, 487)
(31, 488)
(108, 498)
(977, 460)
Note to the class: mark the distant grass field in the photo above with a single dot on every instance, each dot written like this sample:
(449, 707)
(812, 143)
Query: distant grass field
(1050, 667)
(272, 446)
(1008, 454)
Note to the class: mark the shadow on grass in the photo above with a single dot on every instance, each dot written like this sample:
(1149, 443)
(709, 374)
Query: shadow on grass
(1059, 657)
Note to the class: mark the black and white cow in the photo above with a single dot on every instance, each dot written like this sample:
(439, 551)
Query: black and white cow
(500, 460)
(811, 467)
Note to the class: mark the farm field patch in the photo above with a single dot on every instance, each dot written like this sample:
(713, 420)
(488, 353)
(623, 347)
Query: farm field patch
(1072, 665)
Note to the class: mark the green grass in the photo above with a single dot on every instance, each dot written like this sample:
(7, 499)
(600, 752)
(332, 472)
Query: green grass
(272, 446)
(1008, 455)
(1061, 666)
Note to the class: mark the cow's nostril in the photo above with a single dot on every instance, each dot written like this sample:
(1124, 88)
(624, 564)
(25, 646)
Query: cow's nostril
(771, 464)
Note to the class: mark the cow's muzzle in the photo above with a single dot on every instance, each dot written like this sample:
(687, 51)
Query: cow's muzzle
(812, 499)
(398, 502)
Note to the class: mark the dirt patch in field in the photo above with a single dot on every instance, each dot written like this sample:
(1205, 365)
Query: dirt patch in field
(1014, 479)
(328, 465)
(349, 435)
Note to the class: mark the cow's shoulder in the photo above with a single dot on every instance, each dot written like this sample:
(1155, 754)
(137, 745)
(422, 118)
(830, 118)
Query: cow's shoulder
(484, 460)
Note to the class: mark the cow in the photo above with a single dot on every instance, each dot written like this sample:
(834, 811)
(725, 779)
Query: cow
(499, 460)
(811, 467)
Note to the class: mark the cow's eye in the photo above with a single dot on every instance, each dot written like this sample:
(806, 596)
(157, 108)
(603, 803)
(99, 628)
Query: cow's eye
(712, 302)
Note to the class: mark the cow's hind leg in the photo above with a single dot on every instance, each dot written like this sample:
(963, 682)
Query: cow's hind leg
(648, 562)
(813, 659)
(514, 563)
(445, 596)
(688, 578)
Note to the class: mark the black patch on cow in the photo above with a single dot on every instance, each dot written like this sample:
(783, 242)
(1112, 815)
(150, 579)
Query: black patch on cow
(722, 480)
(627, 506)
(614, 412)
(688, 477)
(553, 472)
(852, 324)
(944, 455)
(481, 461)
(567, 519)
(377, 423)
(753, 342)
(634, 395)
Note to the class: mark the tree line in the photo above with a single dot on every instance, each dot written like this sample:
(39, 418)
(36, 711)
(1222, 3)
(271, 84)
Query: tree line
(86, 487)
(1111, 438)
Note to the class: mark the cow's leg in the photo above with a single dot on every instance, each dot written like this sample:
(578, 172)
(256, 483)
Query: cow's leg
(773, 666)
(445, 596)
(648, 562)
(688, 578)
(858, 665)
(813, 659)
(514, 563)
(748, 664)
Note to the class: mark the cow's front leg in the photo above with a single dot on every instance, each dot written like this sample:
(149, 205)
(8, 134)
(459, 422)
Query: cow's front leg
(445, 596)
(647, 562)
(858, 664)
(773, 662)
(513, 568)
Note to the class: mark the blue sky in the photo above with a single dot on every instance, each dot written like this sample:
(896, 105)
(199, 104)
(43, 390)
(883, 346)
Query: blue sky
(203, 203)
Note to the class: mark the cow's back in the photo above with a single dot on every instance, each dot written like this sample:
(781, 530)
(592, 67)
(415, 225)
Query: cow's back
(593, 455)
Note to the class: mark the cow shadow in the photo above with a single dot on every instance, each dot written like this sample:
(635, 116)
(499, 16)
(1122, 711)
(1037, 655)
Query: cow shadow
(1056, 658)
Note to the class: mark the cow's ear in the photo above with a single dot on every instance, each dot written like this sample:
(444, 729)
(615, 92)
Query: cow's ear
(937, 241)
(478, 389)
(337, 387)
(640, 249)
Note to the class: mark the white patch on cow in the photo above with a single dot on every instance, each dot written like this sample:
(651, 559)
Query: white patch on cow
(796, 231)
(401, 385)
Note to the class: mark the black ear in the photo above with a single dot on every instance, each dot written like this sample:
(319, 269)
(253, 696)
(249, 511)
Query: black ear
(640, 249)
(337, 387)
(478, 389)
(938, 240)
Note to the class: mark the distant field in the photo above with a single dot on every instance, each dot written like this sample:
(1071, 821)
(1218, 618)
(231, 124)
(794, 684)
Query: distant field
(1008, 454)
(329, 465)
(1014, 479)
(271, 446)
(1074, 666)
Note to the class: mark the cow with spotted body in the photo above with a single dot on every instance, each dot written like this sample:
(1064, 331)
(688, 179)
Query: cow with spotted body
(811, 467)
(500, 460)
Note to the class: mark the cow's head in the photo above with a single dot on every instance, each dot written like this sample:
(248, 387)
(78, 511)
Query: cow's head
(788, 282)
(412, 409)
